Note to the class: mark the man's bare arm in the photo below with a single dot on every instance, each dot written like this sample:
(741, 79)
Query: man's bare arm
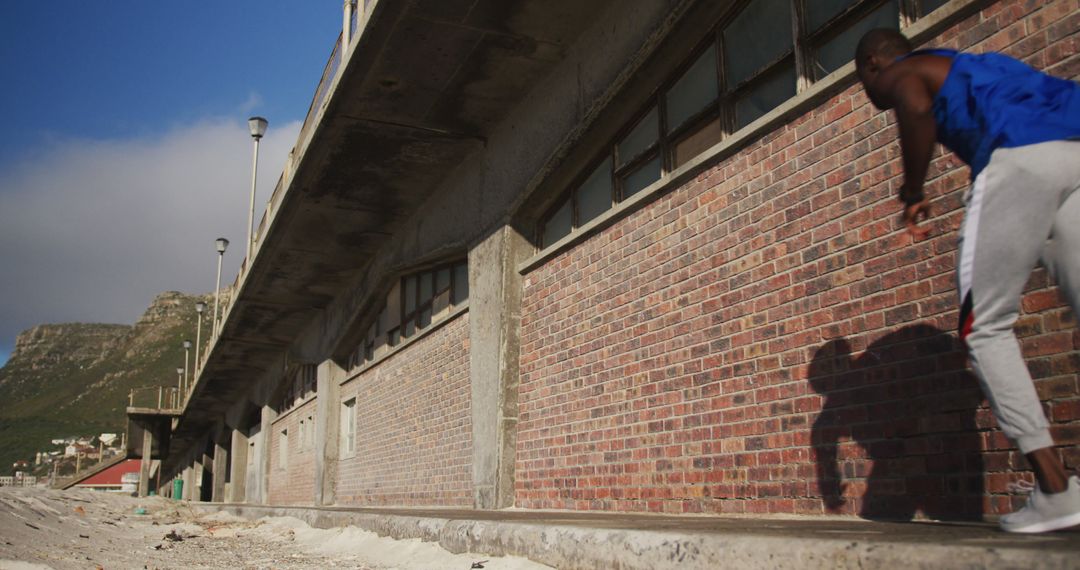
(918, 132)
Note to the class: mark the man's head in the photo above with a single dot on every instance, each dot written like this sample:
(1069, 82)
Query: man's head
(877, 50)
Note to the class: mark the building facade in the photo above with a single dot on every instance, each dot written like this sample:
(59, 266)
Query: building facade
(618, 256)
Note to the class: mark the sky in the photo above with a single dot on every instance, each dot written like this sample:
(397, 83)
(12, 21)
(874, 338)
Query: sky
(125, 150)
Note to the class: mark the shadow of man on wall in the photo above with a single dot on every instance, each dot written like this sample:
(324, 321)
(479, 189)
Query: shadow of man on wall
(897, 433)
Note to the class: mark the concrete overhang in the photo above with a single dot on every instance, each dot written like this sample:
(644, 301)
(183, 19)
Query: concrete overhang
(424, 82)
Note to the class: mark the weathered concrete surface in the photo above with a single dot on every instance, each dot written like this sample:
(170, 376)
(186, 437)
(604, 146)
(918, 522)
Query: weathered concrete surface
(495, 303)
(424, 85)
(579, 541)
(327, 428)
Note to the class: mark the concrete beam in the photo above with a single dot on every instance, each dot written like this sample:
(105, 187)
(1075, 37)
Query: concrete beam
(494, 324)
(221, 465)
(238, 458)
(262, 454)
(144, 464)
(327, 428)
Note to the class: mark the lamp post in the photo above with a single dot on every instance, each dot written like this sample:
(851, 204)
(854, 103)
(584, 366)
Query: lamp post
(257, 126)
(200, 308)
(179, 387)
(221, 245)
(187, 354)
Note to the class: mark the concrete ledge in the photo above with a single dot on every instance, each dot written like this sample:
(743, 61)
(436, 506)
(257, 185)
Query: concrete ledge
(579, 541)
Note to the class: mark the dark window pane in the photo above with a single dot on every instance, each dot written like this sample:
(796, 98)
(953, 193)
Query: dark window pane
(410, 294)
(594, 196)
(698, 141)
(641, 138)
(425, 287)
(931, 5)
(442, 280)
(558, 226)
(395, 336)
(425, 317)
(461, 283)
(820, 11)
(637, 180)
(841, 48)
(778, 87)
(759, 35)
(693, 91)
(410, 328)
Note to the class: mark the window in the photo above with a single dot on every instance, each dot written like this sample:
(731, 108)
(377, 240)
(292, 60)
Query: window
(348, 427)
(302, 384)
(413, 304)
(752, 62)
(283, 449)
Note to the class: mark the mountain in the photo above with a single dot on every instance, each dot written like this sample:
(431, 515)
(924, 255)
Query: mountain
(74, 379)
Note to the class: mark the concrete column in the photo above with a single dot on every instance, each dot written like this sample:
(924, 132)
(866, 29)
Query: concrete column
(262, 453)
(494, 332)
(189, 481)
(327, 428)
(238, 458)
(144, 466)
(221, 462)
(207, 464)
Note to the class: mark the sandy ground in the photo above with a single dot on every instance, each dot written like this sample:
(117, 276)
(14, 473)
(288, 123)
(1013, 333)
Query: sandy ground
(42, 528)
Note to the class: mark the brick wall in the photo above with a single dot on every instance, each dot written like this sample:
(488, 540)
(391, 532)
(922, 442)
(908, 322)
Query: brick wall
(414, 426)
(294, 484)
(767, 339)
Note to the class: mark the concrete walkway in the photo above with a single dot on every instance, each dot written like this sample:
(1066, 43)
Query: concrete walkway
(571, 540)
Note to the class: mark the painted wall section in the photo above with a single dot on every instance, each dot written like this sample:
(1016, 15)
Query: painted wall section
(765, 338)
(414, 426)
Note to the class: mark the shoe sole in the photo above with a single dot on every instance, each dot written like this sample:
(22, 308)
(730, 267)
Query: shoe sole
(1046, 526)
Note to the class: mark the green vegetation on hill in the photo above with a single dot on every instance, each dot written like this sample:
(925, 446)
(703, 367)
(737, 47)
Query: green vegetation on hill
(74, 379)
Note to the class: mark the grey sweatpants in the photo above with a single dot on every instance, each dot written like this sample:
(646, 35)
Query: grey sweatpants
(1024, 205)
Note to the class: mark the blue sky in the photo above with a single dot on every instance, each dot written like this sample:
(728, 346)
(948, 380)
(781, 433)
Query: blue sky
(125, 151)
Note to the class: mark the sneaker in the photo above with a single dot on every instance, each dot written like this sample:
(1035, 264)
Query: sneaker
(1045, 512)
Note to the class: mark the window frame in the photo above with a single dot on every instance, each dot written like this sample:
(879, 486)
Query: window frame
(283, 448)
(348, 416)
(367, 350)
(801, 56)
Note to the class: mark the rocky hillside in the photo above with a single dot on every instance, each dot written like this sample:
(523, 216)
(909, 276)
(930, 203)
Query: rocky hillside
(73, 379)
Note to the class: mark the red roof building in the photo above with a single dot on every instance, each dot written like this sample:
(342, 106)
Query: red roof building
(111, 478)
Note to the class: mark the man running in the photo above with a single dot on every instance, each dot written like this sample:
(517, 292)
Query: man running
(1018, 130)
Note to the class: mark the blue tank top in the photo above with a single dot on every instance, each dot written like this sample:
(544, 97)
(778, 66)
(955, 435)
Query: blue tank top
(991, 101)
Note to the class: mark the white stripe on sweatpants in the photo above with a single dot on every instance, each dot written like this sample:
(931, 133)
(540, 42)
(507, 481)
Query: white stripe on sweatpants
(971, 229)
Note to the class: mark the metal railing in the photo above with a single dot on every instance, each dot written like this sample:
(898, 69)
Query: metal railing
(155, 397)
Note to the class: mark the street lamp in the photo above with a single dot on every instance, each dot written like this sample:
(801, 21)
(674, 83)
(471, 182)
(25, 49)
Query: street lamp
(187, 354)
(179, 386)
(200, 308)
(257, 126)
(221, 245)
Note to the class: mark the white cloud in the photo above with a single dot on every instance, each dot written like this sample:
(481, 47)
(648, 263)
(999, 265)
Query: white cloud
(254, 101)
(91, 230)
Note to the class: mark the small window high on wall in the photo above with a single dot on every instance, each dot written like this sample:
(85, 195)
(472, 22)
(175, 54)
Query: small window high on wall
(283, 449)
(348, 427)
(753, 61)
(417, 301)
